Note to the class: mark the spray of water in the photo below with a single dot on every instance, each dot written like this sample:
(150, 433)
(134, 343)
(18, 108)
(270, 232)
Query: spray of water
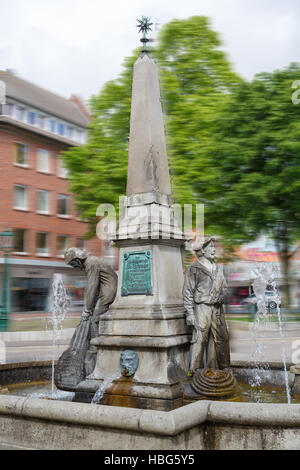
(105, 385)
(286, 376)
(60, 303)
(265, 275)
(259, 355)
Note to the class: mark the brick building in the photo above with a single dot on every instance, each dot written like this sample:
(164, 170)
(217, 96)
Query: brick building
(35, 127)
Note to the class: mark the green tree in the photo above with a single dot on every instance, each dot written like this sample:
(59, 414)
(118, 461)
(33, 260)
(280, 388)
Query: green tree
(195, 78)
(250, 175)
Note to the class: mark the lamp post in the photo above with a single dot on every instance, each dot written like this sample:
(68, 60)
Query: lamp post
(6, 245)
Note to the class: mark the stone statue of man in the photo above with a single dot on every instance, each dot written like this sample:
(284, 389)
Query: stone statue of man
(101, 282)
(79, 359)
(204, 293)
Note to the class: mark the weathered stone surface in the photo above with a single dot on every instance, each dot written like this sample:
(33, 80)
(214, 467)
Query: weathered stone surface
(203, 425)
(148, 164)
(214, 383)
(152, 325)
(295, 369)
(70, 369)
(79, 359)
(25, 372)
(204, 293)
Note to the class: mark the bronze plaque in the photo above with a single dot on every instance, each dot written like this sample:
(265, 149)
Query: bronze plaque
(137, 273)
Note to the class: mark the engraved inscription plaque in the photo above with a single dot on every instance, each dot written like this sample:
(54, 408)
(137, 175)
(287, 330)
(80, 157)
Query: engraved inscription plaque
(137, 273)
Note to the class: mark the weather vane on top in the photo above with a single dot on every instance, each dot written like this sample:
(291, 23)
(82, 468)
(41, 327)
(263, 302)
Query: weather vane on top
(144, 27)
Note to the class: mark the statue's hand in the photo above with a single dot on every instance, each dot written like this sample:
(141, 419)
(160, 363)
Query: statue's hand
(85, 315)
(190, 320)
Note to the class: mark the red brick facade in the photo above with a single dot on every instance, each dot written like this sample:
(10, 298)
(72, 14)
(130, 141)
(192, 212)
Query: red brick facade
(12, 174)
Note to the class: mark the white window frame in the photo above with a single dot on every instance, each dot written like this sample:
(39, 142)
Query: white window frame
(48, 193)
(62, 171)
(27, 117)
(23, 165)
(25, 208)
(41, 253)
(19, 108)
(68, 215)
(40, 155)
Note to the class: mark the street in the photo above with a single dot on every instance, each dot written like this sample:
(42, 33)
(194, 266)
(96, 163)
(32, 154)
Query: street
(264, 345)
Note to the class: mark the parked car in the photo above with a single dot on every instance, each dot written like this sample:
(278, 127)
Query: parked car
(273, 301)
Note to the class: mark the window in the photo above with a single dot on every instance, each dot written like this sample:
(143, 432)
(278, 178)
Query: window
(63, 203)
(62, 171)
(20, 113)
(31, 118)
(8, 109)
(20, 197)
(41, 121)
(21, 154)
(61, 244)
(52, 125)
(19, 240)
(70, 130)
(42, 239)
(79, 134)
(43, 199)
(61, 129)
(43, 161)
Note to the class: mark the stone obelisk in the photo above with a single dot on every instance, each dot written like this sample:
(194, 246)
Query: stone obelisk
(147, 316)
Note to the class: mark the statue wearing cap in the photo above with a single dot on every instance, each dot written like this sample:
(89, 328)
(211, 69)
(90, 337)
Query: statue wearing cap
(204, 293)
(79, 359)
(101, 282)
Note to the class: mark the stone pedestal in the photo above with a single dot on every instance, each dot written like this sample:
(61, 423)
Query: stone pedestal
(147, 315)
(296, 385)
(152, 325)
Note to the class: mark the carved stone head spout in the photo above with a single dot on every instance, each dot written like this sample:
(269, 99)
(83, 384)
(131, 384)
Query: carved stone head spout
(129, 362)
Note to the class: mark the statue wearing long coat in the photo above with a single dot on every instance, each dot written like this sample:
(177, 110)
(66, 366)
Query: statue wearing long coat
(203, 297)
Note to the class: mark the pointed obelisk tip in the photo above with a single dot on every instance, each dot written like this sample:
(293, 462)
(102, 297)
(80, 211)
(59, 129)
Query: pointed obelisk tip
(144, 27)
(148, 170)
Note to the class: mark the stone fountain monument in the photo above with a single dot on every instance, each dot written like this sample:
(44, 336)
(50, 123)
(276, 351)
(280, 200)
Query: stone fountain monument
(147, 316)
(143, 338)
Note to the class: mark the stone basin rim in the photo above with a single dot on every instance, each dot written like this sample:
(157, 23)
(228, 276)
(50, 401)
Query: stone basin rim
(168, 423)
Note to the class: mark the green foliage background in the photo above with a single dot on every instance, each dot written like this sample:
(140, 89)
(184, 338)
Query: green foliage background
(196, 78)
(232, 145)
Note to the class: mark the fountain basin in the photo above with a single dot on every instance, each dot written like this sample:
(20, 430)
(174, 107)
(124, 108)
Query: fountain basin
(25, 372)
(33, 423)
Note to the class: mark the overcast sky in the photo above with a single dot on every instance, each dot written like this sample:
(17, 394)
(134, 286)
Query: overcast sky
(75, 46)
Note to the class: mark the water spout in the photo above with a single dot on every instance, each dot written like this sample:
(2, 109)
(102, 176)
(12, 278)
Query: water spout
(265, 276)
(60, 303)
(105, 385)
(287, 387)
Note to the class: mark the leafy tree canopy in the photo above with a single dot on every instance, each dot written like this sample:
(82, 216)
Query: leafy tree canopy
(249, 177)
(250, 173)
(196, 78)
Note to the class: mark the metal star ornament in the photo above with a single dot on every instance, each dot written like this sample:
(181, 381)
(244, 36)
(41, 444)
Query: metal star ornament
(144, 27)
